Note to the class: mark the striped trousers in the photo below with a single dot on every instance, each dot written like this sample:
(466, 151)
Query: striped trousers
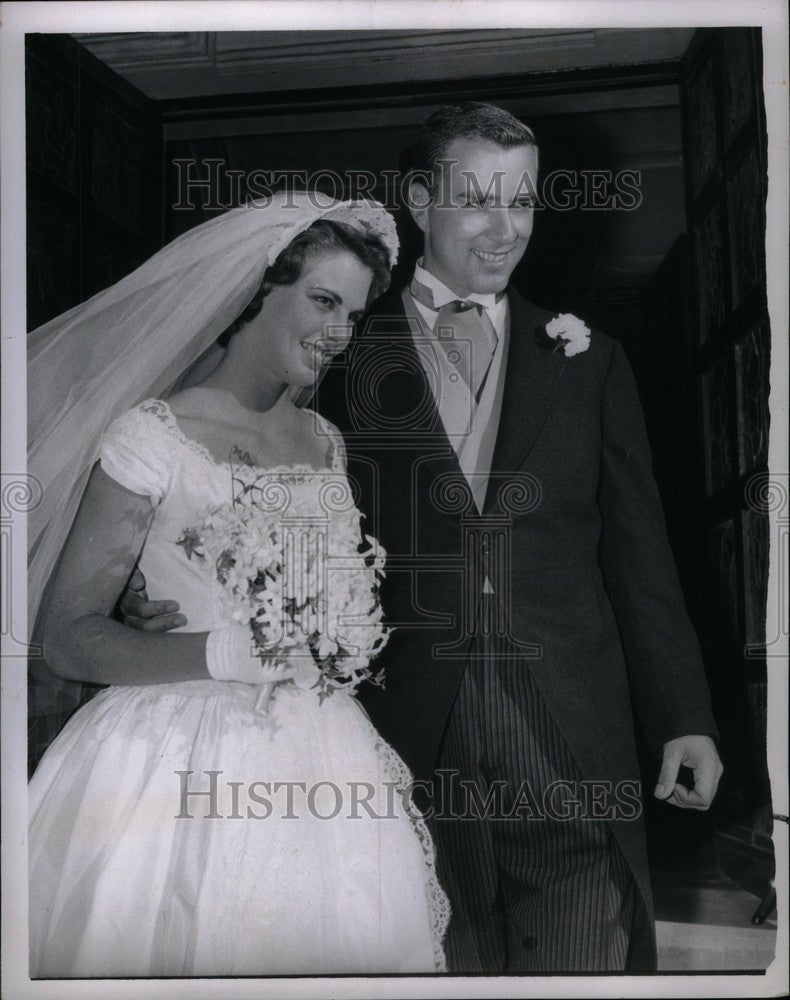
(534, 892)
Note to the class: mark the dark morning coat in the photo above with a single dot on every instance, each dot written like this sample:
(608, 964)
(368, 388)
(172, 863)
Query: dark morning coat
(586, 568)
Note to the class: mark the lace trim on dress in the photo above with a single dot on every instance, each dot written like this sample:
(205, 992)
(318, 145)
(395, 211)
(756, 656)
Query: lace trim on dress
(438, 903)
(161, 411)
(337, 460)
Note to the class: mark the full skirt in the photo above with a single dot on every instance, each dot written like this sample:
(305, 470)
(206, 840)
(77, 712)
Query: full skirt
(178, 830)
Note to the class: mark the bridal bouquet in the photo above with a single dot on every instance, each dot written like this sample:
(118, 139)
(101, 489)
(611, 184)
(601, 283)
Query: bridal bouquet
(301, 581)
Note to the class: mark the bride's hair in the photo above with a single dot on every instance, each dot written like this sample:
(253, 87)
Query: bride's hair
(323, 236)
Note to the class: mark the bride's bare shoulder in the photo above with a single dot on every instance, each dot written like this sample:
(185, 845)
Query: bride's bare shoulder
(320, 437)
(186, 402)
(198, 403)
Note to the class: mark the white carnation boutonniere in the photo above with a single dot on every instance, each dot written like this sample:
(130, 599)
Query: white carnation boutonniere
(570, 333)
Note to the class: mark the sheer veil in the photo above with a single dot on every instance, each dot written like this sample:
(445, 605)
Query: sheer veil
(133, 340)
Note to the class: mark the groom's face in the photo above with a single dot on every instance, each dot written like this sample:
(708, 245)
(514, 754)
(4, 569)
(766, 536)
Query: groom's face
(478, 221)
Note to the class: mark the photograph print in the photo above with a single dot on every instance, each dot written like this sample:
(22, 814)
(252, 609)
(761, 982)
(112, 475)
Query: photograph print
(398, 544)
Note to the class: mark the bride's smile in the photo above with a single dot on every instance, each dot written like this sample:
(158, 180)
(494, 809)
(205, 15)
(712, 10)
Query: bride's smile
(302, 325)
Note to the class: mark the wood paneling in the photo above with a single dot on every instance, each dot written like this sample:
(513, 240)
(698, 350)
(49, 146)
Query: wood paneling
(94, 176)
(726, 184)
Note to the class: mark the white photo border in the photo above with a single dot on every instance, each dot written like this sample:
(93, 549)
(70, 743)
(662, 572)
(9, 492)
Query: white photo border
(19, 18)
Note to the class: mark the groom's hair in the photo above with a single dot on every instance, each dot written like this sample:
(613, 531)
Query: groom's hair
(465, 120)
(323, 236)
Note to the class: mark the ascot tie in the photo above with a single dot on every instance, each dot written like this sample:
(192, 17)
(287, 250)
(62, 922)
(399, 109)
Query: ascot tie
(466, 334)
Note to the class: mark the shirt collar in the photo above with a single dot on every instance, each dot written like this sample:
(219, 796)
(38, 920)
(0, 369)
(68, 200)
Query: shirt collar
(442, 294)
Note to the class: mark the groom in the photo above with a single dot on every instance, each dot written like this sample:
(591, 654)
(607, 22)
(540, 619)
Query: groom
(502, 461)
(508, 476)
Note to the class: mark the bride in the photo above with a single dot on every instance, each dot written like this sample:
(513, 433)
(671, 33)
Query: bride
(213, 810)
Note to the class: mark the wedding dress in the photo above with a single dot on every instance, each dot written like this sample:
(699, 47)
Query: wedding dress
(178, 829)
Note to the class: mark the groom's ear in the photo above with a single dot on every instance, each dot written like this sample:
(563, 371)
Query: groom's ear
(419, 201)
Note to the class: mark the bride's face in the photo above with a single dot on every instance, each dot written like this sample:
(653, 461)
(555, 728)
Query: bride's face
(304, 324)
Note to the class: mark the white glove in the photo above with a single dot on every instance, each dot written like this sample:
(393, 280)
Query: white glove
(231, 655)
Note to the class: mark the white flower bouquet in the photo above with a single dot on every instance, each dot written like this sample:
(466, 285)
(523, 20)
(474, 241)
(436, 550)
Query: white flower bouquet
(307, 585)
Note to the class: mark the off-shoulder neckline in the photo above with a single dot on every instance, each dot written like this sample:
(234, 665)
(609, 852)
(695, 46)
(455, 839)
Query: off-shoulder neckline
(164, 412)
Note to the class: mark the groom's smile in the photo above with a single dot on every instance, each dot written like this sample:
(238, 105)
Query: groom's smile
(479, 220)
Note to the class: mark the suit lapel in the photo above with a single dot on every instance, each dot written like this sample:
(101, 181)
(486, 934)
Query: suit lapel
(408, 388)
(531, 380)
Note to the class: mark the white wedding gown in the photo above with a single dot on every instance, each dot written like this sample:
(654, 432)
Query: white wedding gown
(123, 883)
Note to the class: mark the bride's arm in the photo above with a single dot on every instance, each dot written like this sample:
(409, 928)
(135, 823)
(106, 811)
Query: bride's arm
(81, 641)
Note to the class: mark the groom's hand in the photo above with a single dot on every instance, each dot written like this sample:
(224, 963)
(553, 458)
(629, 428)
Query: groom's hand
(699, 754)
(148, 616)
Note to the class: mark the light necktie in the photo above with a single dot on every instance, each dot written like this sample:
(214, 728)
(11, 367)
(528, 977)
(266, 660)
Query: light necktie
(472, 341)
